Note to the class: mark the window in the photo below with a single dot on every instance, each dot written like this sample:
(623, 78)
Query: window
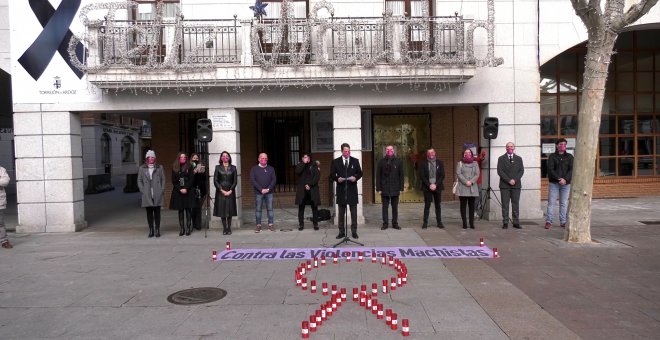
(127, 146)
(300, 8)
(408, 8)
(106, 148)
(629, 136)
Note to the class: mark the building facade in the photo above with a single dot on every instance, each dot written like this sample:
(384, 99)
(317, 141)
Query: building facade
(307, 76)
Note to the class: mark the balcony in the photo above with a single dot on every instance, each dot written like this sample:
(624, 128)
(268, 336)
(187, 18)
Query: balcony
(283, 52)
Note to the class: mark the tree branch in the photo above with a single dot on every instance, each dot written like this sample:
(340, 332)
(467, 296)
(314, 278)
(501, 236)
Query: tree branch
(633, 14)
(589, 13)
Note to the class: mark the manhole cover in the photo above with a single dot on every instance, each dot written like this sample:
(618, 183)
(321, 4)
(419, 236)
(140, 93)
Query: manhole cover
(196, 296)
(649, 222)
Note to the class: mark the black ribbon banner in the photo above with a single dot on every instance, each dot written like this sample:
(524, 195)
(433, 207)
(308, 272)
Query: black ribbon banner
(54, 37)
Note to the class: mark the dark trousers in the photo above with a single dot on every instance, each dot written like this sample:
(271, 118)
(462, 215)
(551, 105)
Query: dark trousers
(301, 212)
(196, 213)
(432, 196)
(342, 217)
(387, 200)
(467, 202)
(153, 214)
(514, 196)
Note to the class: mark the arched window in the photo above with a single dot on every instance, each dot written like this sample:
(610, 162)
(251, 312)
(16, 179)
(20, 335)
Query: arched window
(105, 148)
(127, 147)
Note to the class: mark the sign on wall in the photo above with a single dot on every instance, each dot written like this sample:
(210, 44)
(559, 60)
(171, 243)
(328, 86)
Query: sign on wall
(42, 71)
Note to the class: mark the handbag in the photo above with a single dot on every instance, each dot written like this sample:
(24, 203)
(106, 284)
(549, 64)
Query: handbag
(454, 188)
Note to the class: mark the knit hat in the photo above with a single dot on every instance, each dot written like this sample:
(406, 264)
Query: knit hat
(150, 153)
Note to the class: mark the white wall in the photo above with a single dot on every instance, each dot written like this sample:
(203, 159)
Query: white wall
(561, 29)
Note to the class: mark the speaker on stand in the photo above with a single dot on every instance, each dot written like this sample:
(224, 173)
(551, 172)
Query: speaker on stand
(491, 127)
(205, 135)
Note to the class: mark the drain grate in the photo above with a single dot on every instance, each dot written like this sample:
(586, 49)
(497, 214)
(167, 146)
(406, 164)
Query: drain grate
(650, 222)
(195, 296)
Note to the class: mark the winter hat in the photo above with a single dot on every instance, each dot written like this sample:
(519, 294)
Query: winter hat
(150, 153)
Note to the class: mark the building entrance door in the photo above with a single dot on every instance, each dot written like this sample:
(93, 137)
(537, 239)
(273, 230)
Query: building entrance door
(408, 134)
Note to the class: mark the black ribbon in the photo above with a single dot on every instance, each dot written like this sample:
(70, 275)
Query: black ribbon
(54, 37)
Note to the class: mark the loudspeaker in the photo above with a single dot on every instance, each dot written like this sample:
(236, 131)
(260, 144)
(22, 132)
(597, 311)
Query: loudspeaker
(204, 130)
(491, 124)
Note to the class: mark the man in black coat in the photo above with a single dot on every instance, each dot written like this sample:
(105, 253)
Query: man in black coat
(510, 168)
(389, 184)
(346, 171)
(432, 174)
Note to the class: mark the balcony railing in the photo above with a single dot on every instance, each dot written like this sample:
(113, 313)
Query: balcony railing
(225, 49)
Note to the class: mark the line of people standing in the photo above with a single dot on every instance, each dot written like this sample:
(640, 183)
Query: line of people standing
(189, 189)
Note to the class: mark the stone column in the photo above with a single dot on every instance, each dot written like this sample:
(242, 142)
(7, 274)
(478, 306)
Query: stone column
(226, 137)
(49, 178)
(347, 124)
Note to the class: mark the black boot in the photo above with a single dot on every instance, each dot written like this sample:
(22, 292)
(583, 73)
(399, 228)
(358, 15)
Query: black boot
(157, 231)
(229, 226)
(151, 231)
(224, 226)
(182, 229)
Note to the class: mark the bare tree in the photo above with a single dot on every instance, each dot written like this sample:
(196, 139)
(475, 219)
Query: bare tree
(603, 23)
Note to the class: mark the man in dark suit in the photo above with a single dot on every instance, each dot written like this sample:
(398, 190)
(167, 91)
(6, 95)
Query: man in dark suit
(346, 171)
(510, 168)
(432, 174)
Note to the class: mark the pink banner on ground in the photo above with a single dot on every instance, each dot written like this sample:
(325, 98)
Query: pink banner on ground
(460, 252)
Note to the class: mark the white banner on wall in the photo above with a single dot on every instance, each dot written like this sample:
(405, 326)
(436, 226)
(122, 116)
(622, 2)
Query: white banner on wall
(40, 31)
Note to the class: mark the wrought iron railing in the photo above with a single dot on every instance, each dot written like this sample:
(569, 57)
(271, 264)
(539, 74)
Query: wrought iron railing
(332, 42)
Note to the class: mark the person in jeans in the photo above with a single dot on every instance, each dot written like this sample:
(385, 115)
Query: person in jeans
(4, 181)
(560, 169)
(389, 184)
(263, 179)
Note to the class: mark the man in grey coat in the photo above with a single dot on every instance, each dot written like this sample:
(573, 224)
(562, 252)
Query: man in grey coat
(389, 184)
(151, 181)
(510, 168)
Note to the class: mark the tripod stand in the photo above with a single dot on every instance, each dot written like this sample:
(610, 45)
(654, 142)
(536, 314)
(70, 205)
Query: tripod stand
(206, 206)
(489, 190)
(346, 239)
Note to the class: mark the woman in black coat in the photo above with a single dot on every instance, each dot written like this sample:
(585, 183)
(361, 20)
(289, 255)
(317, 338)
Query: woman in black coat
(307, 191)
(225, 180)
(183, 197)
(199, 188)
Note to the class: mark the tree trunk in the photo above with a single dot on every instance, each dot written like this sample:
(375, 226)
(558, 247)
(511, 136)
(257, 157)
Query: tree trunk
(599, 53)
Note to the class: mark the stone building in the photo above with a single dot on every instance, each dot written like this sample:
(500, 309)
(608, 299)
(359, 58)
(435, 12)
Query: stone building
(308, 75)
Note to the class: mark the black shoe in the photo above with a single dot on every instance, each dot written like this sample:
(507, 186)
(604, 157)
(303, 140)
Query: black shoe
(471, 226)
(517, 226)
(301, 227)
(197, 228)
(157, 231)
(440, 225)
(385, 226)
(396, 226)
(181, 232)
(355, 235)
(424, 226)
(151, 232)
(341, 235)
(316, 227)
(504, 226)
(464, 226)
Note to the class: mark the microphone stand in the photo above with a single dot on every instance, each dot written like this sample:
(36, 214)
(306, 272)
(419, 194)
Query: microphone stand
(489, 190)
(346, 210)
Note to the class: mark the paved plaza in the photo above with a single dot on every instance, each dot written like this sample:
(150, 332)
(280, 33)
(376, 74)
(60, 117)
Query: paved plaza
(111, 282)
